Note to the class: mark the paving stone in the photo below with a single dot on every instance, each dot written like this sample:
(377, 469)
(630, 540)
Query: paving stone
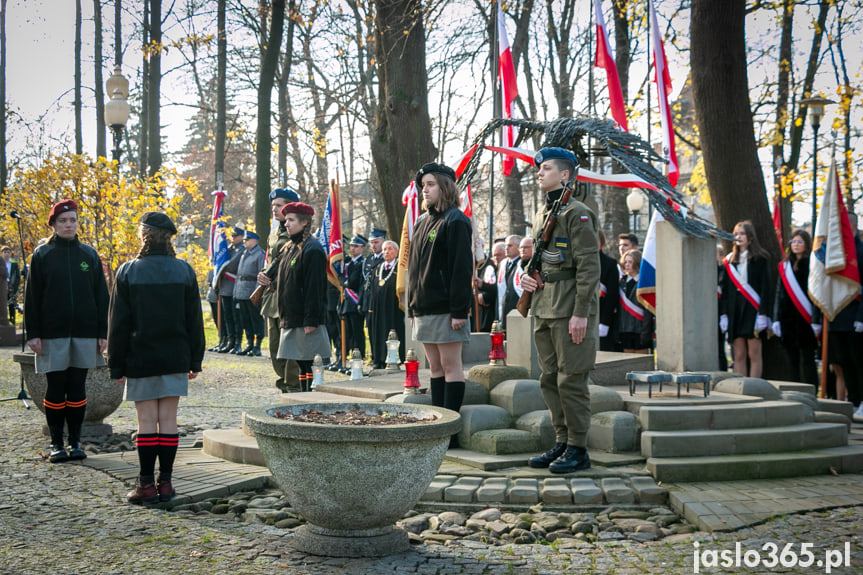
(435, 490)
(585, 492)
(556, 490)
(616, 491)
(648, 492)
(492, 490)
(462, 491)
(523, 491)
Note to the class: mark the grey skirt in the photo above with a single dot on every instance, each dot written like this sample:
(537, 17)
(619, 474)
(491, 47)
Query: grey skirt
(156, 387)
(438, 329)
(61, 353)
(295, 344)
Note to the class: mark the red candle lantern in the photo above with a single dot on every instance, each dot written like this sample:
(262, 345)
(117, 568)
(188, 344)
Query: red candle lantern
(412, 369)
(498, 353)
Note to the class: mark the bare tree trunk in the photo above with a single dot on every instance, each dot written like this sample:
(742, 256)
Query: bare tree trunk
(263, 139)
(783, 88)
(101, 147)
(221, 97)
(402, 140)
(143, 121)
(154, 135)
(721, 96)
(79, 137)
(3, 173)
(284, 75)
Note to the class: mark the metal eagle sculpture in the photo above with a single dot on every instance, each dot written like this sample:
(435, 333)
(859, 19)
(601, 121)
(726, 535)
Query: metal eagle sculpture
(629, 150)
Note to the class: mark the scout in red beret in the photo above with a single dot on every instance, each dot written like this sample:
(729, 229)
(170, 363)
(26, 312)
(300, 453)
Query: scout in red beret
(61, 207)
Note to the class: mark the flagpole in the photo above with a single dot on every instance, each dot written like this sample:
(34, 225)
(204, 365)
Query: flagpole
(825, 363)
(495, 65)
(591, 97)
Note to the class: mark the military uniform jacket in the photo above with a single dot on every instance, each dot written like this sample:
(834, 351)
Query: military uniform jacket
(227, 285)
(370, 266)
(278, 238)
(574, 237)
(352, 280)
(251, 262)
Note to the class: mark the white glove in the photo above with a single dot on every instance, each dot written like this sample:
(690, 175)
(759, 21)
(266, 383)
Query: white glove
(723, 323)
(776, 328)
(816, 329)
(603, 330)
(858, 326)
(761, 323)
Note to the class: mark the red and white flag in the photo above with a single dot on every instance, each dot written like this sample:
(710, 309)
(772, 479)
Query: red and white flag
(508, 85)
(663, 89)
(604, 59)
(834, 280)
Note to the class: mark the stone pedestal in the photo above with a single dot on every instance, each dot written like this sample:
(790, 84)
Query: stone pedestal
(520, 349)
(686, 301)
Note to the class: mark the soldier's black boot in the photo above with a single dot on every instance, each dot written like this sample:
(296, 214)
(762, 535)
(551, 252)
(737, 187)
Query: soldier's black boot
(573, 459)
(256, 350)
(544, 460)
(238, 347)
(222, 342)
(248, 349)
(229, 345)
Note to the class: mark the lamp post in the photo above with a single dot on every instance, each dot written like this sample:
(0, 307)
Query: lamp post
(634, 201)
(816, 112)
(117, 108)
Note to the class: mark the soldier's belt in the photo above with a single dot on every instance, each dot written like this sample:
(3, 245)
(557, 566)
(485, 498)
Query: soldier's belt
(247, 278)
(558, 275)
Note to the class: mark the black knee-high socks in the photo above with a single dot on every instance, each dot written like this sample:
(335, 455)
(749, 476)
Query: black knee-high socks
(153, 446)
(306, 375)
(167, 453)
(437, 391)
(453, 395)
(65, 403)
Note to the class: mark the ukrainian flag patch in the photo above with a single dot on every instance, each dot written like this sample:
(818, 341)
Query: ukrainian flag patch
(561, 243)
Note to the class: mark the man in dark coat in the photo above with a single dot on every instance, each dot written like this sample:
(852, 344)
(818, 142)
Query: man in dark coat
(486, 286)
(352, 282)
(226, 280)
(14, 279)
(370, 265)
(609, 298)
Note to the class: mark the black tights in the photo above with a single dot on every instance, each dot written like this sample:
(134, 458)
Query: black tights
(65, 403)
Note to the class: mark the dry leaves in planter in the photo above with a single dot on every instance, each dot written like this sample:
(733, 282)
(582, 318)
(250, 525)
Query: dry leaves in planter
(351, 417)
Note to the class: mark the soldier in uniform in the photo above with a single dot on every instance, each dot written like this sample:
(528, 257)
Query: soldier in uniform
(287, 369)
(226, 280)
(370, 265)
(565, 313)
(251, 263)
(353, 284)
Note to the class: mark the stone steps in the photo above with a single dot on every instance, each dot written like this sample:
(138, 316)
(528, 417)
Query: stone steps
(722, 416)
(846, 459)
(712, 442)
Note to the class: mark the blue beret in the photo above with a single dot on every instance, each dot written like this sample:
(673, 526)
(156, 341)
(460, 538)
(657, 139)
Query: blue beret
(554, 154)
(285, 193)
(378, 234)
(358, 240)
(251, 236)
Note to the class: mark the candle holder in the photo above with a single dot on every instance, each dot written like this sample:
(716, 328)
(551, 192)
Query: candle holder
(393, 351)
(317, 371)
(412, 370)
(498, 353)
(356, 364)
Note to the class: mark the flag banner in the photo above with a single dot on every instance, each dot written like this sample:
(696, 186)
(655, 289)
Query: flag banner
(411, 201)
(604, 59)
(777, 221)
(466, 202)
(795, 291)
(217, 248)
(834, 279)
(630, 306)
(663, 89)
(352, 295)
(330, 235)
(744, 288)
(462, 164)
(645, 293)
(508, 84)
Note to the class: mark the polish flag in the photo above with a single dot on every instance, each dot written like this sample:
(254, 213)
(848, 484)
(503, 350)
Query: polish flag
(663, 89)
(604, 59)
(508, 84)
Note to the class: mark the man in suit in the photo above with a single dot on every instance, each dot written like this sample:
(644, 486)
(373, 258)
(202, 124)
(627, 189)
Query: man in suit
(609, 298)
(510, 296)
(353, 284)
(14, 278)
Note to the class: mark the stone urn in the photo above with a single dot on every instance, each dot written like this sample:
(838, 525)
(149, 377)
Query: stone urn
(353, 482)
(104, 395)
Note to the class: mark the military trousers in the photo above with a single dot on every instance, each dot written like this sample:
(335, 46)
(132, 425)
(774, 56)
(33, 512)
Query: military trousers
(287, 369)
(564, 382)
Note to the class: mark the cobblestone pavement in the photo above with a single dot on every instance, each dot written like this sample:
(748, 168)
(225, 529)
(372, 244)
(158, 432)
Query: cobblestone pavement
(63, 519)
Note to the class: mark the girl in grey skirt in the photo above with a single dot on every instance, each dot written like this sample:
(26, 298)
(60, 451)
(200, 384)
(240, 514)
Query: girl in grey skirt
(156, 344)
(440, 275)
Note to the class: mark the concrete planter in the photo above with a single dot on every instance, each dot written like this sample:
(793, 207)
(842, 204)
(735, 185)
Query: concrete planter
(352, 483)
(104, 395)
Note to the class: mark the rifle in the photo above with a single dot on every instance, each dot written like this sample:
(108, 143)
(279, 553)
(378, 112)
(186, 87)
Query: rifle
(258, 295)
(534, 265)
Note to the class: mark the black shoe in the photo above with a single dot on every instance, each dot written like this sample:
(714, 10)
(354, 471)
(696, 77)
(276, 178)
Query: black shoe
(256, 351)
(76, 453)
(228, 346)
(544, 460)
(236, 350)
(58, 454)
(336, 366)
(247, 350)
(573, 459)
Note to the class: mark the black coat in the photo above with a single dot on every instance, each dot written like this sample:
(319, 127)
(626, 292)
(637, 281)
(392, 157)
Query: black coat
(510, 297)
(352, 280)
(609, 303)
(156, 325)
(440, 268)
(738, 309)
(370, 265)
(66, 294)
(488, 289)
(794, 327)
(302, 284)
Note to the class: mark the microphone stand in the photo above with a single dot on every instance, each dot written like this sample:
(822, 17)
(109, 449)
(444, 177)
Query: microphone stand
(22, 395)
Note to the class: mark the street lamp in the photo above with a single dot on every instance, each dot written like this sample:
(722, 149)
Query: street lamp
(117, 108)
(634, 201)
(816, 112)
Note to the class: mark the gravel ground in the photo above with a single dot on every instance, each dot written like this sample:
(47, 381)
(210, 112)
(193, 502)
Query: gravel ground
(63, 519)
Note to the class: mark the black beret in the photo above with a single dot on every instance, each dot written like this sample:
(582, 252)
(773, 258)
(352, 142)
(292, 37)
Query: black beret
(159, 221)
(433, 168)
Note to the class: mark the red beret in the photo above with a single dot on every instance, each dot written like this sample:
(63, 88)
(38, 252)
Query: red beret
(61, 207)
(298, 208)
